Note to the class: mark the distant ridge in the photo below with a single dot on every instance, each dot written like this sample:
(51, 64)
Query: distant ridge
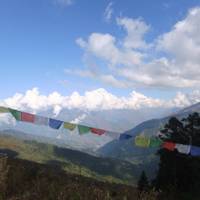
(145, 156)
(72, 161)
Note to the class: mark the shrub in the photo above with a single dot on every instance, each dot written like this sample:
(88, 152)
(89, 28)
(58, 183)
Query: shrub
(3, 176)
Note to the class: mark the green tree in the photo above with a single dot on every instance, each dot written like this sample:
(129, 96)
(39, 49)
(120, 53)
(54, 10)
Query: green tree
(143, 183)
(179, 171)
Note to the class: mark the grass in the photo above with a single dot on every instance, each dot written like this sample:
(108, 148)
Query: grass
(26, 180)
(71, 161)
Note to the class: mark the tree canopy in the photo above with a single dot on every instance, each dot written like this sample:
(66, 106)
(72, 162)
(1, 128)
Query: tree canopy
(176, 170)
(143, 183)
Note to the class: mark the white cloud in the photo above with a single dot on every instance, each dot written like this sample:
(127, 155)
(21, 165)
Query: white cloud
(64, 2)
(104, 46)
(183, 44)
(136, 29)
(34, 101)
(81, 42)
(108, 12)
(98, 99)
(111, 80)
(133, 62)
(82, 73)
(79, 119)
(96, 108)
(184, 100)
(106, 78)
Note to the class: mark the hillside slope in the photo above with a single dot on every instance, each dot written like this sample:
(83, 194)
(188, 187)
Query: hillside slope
(145, 156)
(26, 180)
(71, 161)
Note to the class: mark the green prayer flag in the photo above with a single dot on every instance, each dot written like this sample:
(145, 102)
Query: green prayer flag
(69, 126)
(4, 109)
(83, 129)
(155, 142)
(142, 141)
(16, 114)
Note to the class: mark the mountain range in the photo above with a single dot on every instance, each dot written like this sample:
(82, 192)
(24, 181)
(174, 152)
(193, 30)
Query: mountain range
(126, 149)
(90, 146)
(72, 161)
(117, 120)
(106, 145)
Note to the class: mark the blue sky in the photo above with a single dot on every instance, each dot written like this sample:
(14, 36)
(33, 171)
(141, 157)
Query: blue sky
(38, 44)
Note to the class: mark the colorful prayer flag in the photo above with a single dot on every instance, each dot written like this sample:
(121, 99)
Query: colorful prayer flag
(169, 146)
(97, 131)
(55, 124)
(125, 136)
(182, 148)
(27, 117)
(69, 126)
(155, 142)
(39, 120)
(195, 151)
(16, 114)
(142, 141)
(83, 129)
(4, 109)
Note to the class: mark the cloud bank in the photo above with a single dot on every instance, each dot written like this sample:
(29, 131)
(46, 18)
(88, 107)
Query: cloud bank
(170, 60)
(95, 100)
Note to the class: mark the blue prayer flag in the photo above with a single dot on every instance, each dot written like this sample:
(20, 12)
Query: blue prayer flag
(125, 136)
(55, 124)
(195, 151)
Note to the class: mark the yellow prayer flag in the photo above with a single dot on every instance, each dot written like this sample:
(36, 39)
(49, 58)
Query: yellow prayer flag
(142, 141)
(69, 126)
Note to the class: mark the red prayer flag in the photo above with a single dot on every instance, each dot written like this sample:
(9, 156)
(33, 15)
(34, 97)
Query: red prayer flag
(97, 131)
(169, 146)
(27, 117)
